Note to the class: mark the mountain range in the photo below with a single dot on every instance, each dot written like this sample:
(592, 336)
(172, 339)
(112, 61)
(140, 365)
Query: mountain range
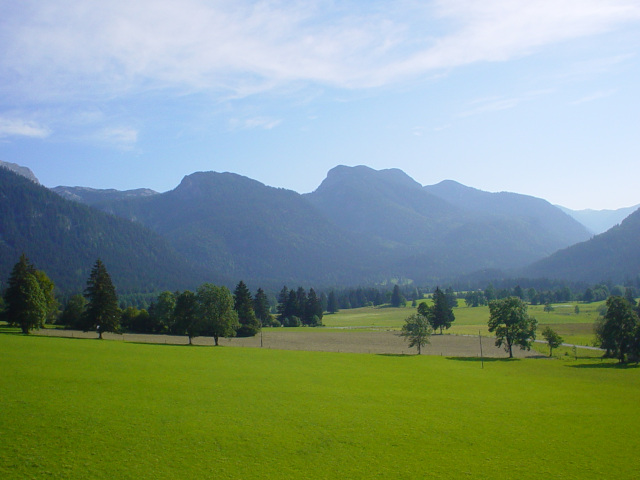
(360, 226)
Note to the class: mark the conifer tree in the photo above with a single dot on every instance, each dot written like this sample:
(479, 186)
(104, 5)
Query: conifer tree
(313, 310)
(102, 312)
(261, 308)
(243, 305)
(332, 303)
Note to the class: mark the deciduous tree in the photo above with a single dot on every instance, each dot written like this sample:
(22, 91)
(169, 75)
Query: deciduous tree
(25, 304)
(513, 326)
(552, 338)
(417, 330)
(616, 329)
(215, 308)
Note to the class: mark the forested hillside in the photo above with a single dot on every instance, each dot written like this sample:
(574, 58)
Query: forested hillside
(613, 255)
(65, 238)
(94, 196)
(247, 230)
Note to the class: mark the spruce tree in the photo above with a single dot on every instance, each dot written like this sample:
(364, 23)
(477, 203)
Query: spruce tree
(102, 312)
(243, 305)
(313, 310)
(332, 303)
(261, 308)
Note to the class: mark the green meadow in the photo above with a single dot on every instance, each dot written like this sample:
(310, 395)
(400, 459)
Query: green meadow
(574, 328)
(106, 409)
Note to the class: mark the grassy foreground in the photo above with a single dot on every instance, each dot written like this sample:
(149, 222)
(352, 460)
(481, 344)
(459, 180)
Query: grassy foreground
(103, 409)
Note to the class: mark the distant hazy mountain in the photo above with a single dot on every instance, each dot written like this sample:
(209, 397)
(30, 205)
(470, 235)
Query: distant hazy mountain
(93, 196)
(613, 255)
(552, 228)
(65, 238)
(598, 221)
(20, 170)
(232, 224)
(446, 229)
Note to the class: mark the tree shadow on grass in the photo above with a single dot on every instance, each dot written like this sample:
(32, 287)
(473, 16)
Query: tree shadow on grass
(485, 359)
(619, 366)
(399, 355)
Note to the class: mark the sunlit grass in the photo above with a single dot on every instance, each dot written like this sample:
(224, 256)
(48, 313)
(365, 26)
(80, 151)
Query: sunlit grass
(104, 409)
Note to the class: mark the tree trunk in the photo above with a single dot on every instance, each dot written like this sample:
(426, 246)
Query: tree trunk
(215, 339)
(190, 340)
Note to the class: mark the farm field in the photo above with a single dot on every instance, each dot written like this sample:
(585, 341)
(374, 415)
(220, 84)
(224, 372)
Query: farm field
(574, 328)
(103, 409)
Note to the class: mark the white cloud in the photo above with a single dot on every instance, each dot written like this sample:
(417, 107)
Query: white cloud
(22, 128)
(265, 123)
(594, 96)
(119, 137)
(236, 48)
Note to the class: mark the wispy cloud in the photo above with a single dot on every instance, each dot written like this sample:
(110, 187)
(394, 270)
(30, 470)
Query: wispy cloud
(11, 127)
(118, 137)
(264, 123)
(594, 96)
(236, 47)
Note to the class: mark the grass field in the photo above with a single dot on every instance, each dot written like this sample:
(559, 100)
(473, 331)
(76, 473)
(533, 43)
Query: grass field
(574, 328)
(102, 409)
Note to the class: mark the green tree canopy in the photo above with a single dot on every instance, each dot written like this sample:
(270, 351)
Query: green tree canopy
(25, 303)
(72, 315)
(102, 312)
(215, 308)
(616, 330)
(552, 338)
(513, 326)
(186, 315)
(417, 331)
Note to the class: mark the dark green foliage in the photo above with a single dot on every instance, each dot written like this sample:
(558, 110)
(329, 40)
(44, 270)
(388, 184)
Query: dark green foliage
(450, 295)
(397, 300)
(291, 321)
(299, 306)
(332, 303)
(617, 330)
(161, 312)
(137, 321)
(262, 309)
(552, 338)
(217, 318)
(243, 305)
(72, 315)
(25, 303)
(417, 330)
(512, 324)
(440, 314)
(64, 238)
(186, 320)
(313, 310)
(102, 312)
(475, 298)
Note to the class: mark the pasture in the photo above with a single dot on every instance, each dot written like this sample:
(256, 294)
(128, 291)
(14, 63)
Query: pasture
(104, 409)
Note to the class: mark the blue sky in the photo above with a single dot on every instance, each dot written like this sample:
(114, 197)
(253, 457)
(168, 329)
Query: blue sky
(540, 97)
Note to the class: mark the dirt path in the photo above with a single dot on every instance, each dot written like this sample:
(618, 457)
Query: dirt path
(352, 341)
